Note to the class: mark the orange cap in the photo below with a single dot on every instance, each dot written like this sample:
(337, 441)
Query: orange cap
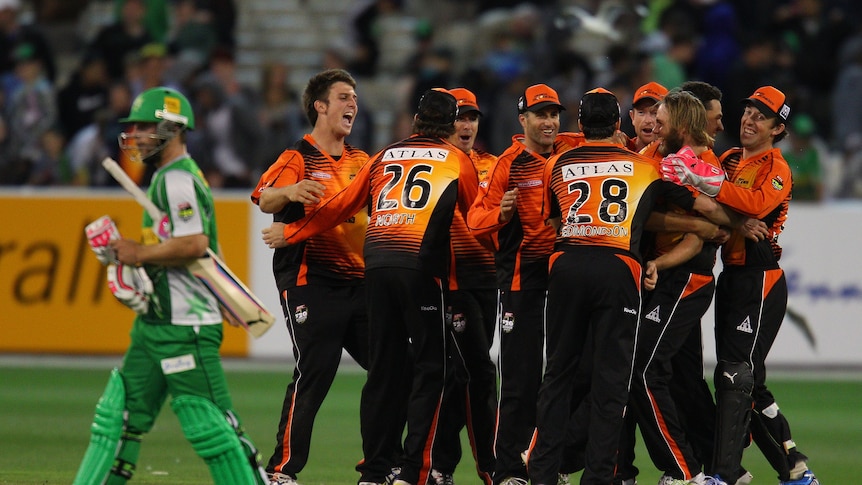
(538, 97)
(466, 100)
(650, 90)
(770, 101)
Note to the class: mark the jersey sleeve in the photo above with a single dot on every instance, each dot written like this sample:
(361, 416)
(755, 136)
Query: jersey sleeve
(468, 184)
(763, 198)
(183, 206)
(484, 215)
(287, 170)
(679, 195)
(333, 210)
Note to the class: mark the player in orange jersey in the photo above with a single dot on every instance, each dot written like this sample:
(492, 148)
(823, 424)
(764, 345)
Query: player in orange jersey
(602, 195)
(320, 281)
(471, 380)
(413, 187)
(509, 210)
(751, 293)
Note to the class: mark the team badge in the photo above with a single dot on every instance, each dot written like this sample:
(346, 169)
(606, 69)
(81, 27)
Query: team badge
(459, 322)
(777, 183)
(300, 315)
(508, 322)
(185, 211)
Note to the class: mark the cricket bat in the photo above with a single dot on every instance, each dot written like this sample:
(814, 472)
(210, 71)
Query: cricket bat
(233, 295)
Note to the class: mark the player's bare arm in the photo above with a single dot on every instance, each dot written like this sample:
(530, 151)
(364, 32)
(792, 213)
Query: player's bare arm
(752, 228)
(675, 222)
(274, 199)
(508, 205)
(687, 248)
(176, 251)
(273, 235)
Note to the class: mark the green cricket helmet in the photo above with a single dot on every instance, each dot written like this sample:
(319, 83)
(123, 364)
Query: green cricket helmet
(161, 104)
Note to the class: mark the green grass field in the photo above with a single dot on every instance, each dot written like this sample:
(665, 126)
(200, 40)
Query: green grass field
(46, 410)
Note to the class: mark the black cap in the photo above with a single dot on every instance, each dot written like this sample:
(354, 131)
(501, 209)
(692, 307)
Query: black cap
(437, 106)
(599, 109)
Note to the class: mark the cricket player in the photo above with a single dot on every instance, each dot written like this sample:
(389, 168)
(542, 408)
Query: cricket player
(174, 349)
(751, 292)
(413, 187)
(471, 382)
(321, 280)
(602, 195)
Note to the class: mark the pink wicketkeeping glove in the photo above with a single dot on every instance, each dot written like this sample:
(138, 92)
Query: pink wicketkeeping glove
(684, 168)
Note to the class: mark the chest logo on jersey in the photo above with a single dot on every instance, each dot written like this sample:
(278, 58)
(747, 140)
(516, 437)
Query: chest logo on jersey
(320, 175)
(431, 154)
(185, 211)
(576, 171)
(526, 184)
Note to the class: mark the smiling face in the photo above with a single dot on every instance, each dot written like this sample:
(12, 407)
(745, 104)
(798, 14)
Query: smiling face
(466, 129)
(757, 130)
(541, 128)
(339, 111)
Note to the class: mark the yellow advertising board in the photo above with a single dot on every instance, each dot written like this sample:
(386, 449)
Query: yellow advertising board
(53, 292)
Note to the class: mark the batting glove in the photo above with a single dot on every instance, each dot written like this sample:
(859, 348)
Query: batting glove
(131, 286)
(684, 168)
(99, 234)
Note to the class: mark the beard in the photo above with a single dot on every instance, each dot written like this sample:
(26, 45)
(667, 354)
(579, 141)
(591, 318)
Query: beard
(671, 143)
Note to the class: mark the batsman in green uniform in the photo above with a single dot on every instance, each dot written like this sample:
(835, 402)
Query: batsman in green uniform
(175, 341)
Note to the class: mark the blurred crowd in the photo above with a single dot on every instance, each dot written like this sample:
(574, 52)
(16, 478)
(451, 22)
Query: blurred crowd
(56, 127)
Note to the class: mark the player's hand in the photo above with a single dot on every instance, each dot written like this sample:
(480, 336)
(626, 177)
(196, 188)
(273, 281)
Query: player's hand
(100, 233)
(127, 251)
(754, 229)
(228, 317)
(684, 168)
(130, 286)
(620, 138)
(650, 275)
(306, 192)
(273, 235)
(722, 236)
(508, 205)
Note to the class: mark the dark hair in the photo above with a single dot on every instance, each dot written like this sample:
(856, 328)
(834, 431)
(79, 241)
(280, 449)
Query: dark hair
(437, 130)
(318, 87)
(777, 138)
(599, 133)
(705, 92)
(436, 114)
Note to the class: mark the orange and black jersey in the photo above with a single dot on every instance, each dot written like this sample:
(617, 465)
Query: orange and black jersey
(412, 188)
(603, 194)
(334, 256)
(657, 244)
(525, 243)
(757, 187)
(473, 262)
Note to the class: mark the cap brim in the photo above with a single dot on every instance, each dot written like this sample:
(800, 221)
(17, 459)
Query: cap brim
(646, 98)
(466, 109)
(760, 105)
(543, 105)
